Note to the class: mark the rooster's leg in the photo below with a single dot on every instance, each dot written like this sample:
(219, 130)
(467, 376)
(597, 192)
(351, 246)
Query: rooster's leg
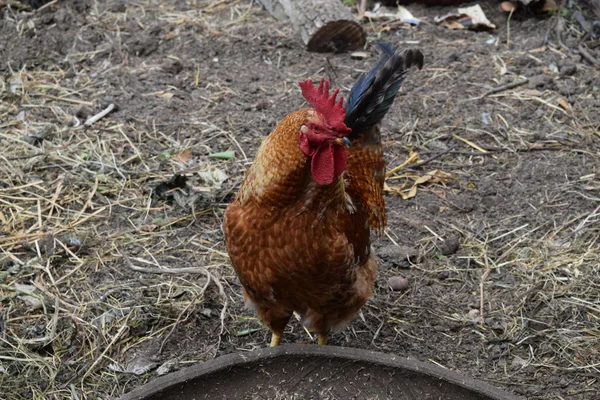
(277, 325)
(322, 339)
(275, 339)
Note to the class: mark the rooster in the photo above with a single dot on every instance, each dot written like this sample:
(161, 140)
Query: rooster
(298, 231)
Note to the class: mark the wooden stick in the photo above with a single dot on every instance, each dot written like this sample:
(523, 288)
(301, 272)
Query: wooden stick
(508, 86)
(91, 120)
(586, 55)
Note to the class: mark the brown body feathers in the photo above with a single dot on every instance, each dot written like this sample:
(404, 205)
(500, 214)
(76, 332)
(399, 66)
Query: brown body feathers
(297, 245)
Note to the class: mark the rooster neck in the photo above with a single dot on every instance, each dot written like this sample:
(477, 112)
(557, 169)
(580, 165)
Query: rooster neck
(281, 176)
(331, 197)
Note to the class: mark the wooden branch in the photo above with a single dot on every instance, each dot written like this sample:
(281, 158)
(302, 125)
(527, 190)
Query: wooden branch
(324, 25)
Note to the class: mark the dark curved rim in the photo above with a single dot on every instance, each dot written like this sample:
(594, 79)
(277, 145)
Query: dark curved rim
(346, 353)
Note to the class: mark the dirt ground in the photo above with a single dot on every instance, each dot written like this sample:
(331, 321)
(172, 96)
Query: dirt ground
(113, 270)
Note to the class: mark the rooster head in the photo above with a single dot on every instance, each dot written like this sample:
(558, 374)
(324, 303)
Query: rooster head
(324, 136)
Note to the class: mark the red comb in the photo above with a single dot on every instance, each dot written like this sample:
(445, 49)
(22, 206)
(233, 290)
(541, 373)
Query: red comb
(333, 113)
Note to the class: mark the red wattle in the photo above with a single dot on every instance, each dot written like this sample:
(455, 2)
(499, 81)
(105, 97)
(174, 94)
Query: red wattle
(328, 162)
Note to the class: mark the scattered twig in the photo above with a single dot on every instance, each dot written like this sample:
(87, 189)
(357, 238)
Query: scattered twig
(53, 2)
(362, 7)
(420, 164)
(91, 120)
(174, 271)
(559, 28)
(508, 27)
(502, 88)
(586, 55)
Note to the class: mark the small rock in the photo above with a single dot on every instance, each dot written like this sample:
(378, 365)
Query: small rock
(567, 67)
(451, 57)
(569, 88)
(473, 316)
(449, 246)
(62, 17)
(539, 135)
(140, 365)
(83, 112)
(47, 245)
(490, 201)
(206, 312)
(443, 275)
(32, 301)
(398, 283)
(172, 66)
(262, 105)
(118, 8)
(540, 82)
(432, 208)
(398, 256)
(563, 383)
(487, 186)
(517, 363)
(167, 367)
(73, 243)
(465, 202)
(359, 55)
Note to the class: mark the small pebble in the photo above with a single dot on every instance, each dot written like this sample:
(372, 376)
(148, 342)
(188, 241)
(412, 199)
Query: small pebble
(82, 112)
(398, 283)
(359, 55)
(443, 275)
(450, 245)
(473, 316)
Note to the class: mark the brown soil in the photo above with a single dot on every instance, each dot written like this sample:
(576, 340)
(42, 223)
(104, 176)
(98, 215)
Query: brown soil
(91, 216)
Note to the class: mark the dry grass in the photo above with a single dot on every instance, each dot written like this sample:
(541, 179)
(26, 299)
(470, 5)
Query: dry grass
(76, 197)
(71, 204)
(99, 271)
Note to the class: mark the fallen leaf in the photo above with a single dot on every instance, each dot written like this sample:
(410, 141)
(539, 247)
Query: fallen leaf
(172, 34)
(435, 176)
(213, 178)
(385, 13)
(165, 95)
(564, 104)
(539, 50)
(508, 6)
(472, 18)
(224, 155)
(411, 193)
(413, 158)
(184, 157)
(549, 6)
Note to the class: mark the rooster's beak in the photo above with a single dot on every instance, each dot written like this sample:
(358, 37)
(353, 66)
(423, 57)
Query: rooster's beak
(344, 142)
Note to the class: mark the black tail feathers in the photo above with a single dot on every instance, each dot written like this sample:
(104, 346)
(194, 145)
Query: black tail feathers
(373, 94)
